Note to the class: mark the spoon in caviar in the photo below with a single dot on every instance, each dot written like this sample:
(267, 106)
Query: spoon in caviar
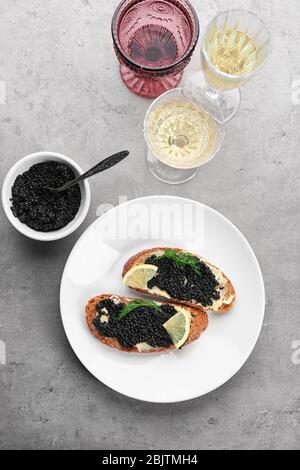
(102, 166)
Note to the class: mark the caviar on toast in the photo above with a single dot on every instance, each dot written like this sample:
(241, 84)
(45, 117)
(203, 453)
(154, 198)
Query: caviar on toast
(143, 326)
(181, 277)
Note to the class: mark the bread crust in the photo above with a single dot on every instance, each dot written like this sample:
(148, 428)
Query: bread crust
(141, 257)
(199, 323)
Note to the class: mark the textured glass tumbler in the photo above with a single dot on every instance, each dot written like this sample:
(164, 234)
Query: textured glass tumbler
(236, 45)
(154, 41)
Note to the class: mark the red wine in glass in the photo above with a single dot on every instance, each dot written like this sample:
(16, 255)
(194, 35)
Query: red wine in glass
(154, 41)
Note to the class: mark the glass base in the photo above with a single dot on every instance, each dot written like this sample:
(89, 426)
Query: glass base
(168, 174)
(149, 87)
(228, 101)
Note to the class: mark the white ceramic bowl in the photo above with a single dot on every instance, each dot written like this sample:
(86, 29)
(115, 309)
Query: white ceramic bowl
(23, 165)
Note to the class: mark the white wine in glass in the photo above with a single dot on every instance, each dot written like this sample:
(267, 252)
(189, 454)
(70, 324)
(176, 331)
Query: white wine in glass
(236, 45)
(182, 134)
(232, 51)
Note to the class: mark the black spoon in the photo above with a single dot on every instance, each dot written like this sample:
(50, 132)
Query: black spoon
(102, 166)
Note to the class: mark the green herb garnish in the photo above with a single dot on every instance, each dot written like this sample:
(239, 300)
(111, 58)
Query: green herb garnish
(136, 304)
(183, 259)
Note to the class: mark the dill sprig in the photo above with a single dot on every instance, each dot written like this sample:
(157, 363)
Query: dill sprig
(136, 304)
(183, 259)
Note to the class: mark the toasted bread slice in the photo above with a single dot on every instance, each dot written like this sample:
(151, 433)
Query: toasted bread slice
(223, 305)
(199, 323)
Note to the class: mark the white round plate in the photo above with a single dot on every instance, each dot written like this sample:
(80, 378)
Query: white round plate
(95, 267)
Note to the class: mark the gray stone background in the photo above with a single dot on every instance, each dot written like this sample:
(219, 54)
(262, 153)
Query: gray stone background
(63, 93)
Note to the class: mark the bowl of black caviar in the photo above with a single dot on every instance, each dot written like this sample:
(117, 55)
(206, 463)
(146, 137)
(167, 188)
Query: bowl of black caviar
(36, 211)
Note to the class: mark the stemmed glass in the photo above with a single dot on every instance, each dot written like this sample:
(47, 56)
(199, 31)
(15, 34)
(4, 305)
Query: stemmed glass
(154, 41)
(236, 45)
(183, 131)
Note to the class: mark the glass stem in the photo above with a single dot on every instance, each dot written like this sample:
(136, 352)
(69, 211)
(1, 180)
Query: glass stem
(213, 93)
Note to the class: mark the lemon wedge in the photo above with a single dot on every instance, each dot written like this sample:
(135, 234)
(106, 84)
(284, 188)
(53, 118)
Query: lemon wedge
(139, 276)
(178, 327)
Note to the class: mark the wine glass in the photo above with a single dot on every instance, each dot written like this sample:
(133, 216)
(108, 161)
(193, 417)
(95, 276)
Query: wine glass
(183, 131)
(154, 41)
(236, 45)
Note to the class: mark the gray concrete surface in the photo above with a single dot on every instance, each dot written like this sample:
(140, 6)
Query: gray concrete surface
(63, 93)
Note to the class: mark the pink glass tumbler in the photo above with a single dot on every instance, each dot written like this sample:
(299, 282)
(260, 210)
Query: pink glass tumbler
(154, 41)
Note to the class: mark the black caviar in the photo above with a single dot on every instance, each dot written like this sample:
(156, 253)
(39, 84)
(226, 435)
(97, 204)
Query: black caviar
(36, 206)
(142, 325)
(183, 282)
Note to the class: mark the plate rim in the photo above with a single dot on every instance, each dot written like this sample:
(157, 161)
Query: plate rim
(255, 340)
